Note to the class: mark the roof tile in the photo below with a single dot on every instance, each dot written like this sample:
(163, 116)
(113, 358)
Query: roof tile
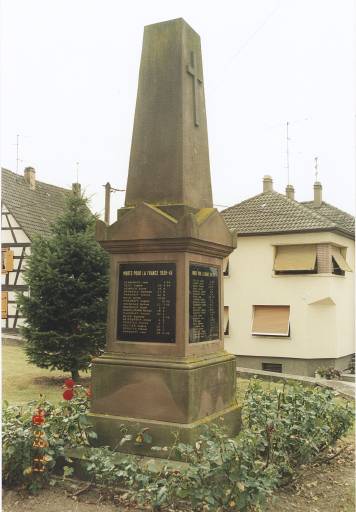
(34, 210)
(271, 212)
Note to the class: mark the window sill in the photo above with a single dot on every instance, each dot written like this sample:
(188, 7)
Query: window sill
(268, 336)
(279, 276)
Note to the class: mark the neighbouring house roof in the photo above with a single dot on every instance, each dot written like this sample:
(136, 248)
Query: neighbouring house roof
(344, 220)
(271, 212)
(34, 210)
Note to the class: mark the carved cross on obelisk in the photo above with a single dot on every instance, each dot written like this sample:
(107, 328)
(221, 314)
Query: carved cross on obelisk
(192, 70)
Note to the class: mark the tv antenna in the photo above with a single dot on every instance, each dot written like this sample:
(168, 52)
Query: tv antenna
(316, 168)
(287, 151)
(17, 152)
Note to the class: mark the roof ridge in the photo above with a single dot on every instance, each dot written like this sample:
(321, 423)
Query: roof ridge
(298, 204)
(249, 199)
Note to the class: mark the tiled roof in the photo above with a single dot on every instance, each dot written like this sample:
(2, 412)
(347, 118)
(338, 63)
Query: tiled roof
(34, 210)
(271, 212)
(344, 220)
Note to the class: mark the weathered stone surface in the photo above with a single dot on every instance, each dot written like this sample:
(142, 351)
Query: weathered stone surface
(164, 390)
(169, 161)
(109, 428)
(183, 378)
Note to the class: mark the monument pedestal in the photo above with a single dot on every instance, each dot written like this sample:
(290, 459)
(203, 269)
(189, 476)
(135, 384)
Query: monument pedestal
(163, 395)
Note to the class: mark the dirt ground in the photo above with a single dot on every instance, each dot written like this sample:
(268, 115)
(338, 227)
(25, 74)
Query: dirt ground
(320, 487)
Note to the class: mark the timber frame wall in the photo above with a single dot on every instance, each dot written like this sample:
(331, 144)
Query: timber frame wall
(16, 247)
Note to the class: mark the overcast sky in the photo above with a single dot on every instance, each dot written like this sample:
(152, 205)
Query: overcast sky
(70, 71)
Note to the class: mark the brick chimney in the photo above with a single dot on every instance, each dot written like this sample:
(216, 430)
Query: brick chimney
(290, 192)
(318, 193)
(30, 177)
(76, 189)
(267, 184)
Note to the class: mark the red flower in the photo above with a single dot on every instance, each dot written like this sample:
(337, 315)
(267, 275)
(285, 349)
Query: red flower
(89, 392)
(69, 383)
(68, 394)
(37, 419)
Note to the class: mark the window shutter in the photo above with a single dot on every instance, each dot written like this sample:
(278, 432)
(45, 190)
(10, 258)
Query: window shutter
(340, 260)
(295, 258)
(271, 320)
(9, 261)
(226, 321)
(4, 301)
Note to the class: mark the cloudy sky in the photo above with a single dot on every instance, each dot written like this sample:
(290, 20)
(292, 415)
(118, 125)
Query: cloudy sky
(70, 70)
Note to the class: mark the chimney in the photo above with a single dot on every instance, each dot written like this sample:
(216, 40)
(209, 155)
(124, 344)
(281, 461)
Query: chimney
(76, 189)
(318, 193)
(30, 177)
(290, 192)
(267, 184)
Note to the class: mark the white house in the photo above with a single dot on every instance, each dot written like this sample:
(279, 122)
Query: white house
(28, 208)
(289, 285)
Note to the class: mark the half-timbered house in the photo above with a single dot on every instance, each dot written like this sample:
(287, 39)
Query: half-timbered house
(28, 208)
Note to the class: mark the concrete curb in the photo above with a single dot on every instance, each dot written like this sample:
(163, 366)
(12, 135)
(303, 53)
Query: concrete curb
(342, 388)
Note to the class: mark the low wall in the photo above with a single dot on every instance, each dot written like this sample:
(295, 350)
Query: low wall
(344, 389)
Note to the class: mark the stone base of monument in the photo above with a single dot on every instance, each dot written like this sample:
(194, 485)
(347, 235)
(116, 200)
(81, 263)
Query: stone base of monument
(163, 396)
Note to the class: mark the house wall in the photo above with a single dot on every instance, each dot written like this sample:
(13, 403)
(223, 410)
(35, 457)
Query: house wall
(321, 305)
(14, 238)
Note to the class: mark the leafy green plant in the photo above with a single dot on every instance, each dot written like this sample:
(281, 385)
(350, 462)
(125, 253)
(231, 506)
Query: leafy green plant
(297, 422)
(329, 373)
(282, 429)
(64, 424)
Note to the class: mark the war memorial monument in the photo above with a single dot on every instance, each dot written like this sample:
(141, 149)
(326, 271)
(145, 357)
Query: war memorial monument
(165, 367)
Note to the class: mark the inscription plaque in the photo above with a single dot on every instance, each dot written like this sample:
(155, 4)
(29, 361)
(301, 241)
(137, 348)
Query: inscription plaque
(147, 302)
(203, 303)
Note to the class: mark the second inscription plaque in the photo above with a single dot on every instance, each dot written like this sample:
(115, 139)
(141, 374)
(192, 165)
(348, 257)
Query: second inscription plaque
(203, 303)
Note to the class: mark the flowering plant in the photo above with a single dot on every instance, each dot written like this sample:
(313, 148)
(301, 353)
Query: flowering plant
(34, 436)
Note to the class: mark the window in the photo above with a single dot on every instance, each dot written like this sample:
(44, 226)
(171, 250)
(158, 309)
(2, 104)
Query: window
(226, 321)
(295, 259)
(272, 367)
(226, 265)
(4, 302)
(310, 259)
(271, 321)
(7, 261)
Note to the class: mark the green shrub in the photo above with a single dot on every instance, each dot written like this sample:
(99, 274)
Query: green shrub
(329, 373)
(297, 422)
(282, 428)
(62, 425)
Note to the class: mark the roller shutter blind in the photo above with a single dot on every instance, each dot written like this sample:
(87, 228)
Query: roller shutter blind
(295, 258)
(271, 320)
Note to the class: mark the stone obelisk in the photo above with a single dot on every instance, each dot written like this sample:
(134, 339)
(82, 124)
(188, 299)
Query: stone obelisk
(165, 368)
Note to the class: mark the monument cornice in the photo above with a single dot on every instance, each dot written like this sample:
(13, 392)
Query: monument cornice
(191, 245)
(184, 363)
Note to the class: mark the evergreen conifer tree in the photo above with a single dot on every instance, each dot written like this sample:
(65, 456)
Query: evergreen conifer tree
(65, 312)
